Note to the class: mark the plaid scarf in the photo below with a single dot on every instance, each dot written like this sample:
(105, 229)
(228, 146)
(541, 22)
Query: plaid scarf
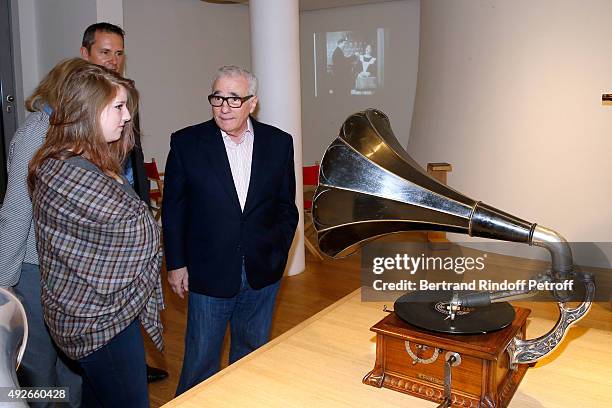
(99, 256)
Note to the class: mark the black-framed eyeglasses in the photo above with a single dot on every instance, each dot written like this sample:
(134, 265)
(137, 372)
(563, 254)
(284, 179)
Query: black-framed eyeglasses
(232, 101)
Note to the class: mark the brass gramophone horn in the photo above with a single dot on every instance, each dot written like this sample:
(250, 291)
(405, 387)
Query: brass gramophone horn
(369, 186)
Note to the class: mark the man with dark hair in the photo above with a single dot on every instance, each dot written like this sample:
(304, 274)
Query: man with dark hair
(103, 45)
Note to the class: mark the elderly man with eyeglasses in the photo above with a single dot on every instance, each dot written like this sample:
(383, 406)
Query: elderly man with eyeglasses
(229, 218)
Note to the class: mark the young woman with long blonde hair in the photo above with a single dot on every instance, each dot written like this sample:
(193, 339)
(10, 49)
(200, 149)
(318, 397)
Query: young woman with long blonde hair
(98, 243)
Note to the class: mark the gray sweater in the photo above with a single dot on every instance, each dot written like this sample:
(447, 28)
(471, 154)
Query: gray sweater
(17, 236)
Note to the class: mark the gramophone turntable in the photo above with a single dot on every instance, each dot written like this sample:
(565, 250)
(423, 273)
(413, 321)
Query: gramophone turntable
(466, 349)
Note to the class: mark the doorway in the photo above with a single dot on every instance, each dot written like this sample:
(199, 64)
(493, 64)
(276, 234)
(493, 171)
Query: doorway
(8, 119)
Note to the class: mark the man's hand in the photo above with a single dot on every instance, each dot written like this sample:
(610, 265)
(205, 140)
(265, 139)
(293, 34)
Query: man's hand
(179, 281)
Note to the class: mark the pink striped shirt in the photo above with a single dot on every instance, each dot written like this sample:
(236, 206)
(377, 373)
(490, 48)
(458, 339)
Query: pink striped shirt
(240, 157)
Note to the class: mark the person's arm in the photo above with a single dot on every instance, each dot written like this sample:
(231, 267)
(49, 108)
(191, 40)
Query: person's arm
(16, 211)
(288, 214)
(174, 213)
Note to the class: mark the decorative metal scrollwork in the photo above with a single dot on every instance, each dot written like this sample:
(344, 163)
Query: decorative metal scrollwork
(529, 351)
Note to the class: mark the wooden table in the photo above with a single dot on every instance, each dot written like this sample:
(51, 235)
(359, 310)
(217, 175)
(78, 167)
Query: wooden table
(320, 363)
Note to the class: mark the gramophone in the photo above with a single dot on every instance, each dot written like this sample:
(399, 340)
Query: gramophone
(459, 349)
(13, 339)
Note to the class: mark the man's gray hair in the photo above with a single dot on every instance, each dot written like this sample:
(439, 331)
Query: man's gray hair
(234, 71)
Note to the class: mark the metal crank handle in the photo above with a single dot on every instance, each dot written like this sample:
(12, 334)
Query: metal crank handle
(451, 360)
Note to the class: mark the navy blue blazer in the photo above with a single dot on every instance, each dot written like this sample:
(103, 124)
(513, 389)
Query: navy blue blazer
(141, 182)
(203, 225)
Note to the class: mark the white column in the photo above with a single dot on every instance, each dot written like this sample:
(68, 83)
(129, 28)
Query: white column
(275, 60)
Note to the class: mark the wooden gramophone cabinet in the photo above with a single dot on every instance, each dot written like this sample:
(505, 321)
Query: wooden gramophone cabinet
(483, 379)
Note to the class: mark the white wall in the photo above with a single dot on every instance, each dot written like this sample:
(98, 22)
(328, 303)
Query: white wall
(48, 31)
(173, 49)
(172, 63)
(322, 117)
(110, 11)
(60, 29)
(510, 94)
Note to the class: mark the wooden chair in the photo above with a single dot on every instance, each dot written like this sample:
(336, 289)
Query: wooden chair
(310, 180)
(155, 193)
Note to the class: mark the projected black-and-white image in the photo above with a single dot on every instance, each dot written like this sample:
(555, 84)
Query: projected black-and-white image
(350, 63)
(353, 63)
